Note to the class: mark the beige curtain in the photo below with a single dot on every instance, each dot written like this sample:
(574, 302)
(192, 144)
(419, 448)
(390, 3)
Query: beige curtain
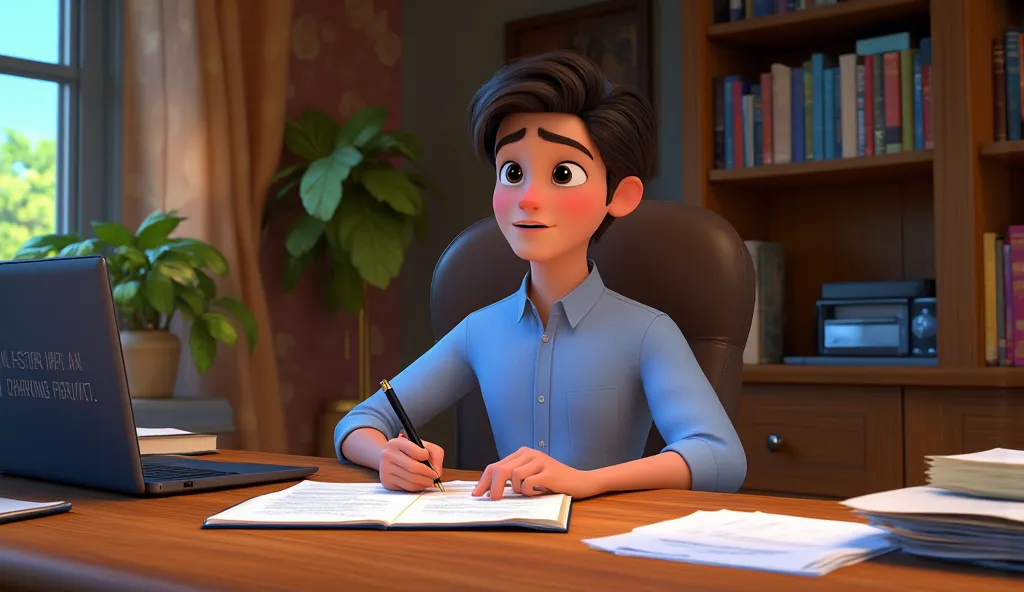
(205, 91)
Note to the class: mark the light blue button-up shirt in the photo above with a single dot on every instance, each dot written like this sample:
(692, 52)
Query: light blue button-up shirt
(584, 390)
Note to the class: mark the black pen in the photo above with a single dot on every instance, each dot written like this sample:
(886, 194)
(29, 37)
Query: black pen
(410, 431)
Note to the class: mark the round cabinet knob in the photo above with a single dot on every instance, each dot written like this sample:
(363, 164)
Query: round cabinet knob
(774, 442)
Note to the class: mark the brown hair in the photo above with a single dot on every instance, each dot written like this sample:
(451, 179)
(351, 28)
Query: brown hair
(619, 119)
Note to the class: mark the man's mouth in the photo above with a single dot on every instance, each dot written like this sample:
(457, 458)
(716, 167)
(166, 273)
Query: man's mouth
(529, 225)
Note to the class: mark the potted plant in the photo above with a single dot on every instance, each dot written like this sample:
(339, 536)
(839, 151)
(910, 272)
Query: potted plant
(154, 277)
(359, 211)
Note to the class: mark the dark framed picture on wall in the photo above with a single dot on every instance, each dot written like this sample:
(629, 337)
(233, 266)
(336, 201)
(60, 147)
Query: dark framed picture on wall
(616, 34)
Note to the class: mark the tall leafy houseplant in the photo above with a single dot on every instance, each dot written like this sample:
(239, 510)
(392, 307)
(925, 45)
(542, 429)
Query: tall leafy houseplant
(359, 210)
(154, 277)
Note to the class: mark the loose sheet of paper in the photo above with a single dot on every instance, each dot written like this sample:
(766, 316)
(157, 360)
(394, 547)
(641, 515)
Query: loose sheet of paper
(13, 506)
(316, 502)
(457, 506)
(931, 500)
(752, 540)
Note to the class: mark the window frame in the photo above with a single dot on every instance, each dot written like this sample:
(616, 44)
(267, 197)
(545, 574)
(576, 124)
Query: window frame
(89, 141)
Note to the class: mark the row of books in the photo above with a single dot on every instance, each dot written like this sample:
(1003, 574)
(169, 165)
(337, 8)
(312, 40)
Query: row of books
(1007, 84)
(737, 10)
(874, 101)
(1003, 262)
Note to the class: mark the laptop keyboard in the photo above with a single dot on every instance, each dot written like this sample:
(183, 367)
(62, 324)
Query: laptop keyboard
(153, 471)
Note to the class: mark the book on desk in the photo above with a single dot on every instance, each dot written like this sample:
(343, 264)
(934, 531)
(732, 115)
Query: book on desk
(318, 505)
(13, 510)
(174, 441)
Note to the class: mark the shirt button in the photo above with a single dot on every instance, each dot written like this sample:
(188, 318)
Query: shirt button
(540, 399)
(545, 339)
(541, 443)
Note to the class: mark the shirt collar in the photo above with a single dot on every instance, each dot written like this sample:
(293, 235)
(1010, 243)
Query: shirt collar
(575, 304)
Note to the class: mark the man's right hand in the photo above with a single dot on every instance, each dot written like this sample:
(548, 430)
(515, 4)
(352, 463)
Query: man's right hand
(401, 468)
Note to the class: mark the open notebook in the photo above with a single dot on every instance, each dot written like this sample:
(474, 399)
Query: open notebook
(316, 504)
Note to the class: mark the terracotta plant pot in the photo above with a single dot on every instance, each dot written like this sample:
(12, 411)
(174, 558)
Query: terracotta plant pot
(151, 362)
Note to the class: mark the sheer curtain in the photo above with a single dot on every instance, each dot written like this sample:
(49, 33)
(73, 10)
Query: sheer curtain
(205, 91)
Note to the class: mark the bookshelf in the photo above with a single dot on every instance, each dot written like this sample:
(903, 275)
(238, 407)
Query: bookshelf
(917, 213)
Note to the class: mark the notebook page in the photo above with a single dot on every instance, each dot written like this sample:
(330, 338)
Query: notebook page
(457, 506)
(998, 456)
(155, 432)
(931, 500)
(315, 502)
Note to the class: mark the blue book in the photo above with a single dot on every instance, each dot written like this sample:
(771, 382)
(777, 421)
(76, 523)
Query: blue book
(819, 63)
(727, 119)
(755, 90)
(796, 102)
(828, 148)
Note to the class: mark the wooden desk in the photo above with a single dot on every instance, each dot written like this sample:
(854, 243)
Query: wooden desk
(109, 541)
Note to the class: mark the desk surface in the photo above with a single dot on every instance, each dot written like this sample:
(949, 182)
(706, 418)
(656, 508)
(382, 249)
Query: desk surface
(107, 536)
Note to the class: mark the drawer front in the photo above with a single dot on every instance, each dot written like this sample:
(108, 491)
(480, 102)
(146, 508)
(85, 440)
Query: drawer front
(958, 421)
(822, 440)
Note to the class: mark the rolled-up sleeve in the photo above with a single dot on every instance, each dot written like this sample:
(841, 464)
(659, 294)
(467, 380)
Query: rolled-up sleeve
(428, 386)
(687, 410)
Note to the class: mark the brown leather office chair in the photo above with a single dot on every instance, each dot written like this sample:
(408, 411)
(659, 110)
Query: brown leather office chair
(685, 261)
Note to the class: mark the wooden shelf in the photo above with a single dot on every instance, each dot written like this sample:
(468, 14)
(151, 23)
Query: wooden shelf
(1009, 151)
(816, 23)
(889, 167)
(884, 375)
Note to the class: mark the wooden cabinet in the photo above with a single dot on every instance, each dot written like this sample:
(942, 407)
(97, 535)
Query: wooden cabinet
(958, 421)
(836, 441)
(827, 440)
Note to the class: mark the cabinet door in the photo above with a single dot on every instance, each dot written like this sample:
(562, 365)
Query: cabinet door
(821, 440)
(958, 421)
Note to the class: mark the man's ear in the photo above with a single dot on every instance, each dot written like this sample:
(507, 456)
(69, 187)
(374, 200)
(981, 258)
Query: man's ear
(627, 197)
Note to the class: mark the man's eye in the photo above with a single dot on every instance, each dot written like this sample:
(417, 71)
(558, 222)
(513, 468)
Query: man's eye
(511, 173)
(568, 174)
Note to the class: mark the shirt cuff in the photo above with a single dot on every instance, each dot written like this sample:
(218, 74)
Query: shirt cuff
(700, 458)
(353, 421)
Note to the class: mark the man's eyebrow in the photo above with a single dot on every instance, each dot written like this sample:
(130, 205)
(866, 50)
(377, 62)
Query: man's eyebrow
(513, 137)
(552, 137)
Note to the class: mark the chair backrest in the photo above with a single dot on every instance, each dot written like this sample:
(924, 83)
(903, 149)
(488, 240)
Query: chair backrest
(683, 260)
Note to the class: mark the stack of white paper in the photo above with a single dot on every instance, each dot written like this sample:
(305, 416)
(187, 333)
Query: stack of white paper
(752, 540)
(950, 525)
(997, 473)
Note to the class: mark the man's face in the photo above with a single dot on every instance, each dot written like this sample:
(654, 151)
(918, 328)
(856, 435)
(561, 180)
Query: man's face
(551, 189)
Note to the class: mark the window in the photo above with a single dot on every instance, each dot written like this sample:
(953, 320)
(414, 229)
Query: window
(60, 111)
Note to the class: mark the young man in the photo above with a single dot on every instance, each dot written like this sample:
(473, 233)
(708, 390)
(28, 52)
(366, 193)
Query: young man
(571, 373)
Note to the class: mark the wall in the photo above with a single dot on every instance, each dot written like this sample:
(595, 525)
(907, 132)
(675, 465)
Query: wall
(345, 54)
(450, 47)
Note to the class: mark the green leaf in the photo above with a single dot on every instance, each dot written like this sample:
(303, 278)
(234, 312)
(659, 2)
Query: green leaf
(287, 172)
(220, 327)
(372, 233)
(304, 234)
(312, 136)
(154, 230)
(294, 268)
(206, 285)
(126, 292)
(362, 126)
(89, 246)
(245, 318)
(396, 142)
(113, 233)
(202, 346)
(178, 272)
(160, 291)
(394, 188)
(320, 189)
(210, 257)
(136, 258)
(193, 302)
(44, 244)
(343, 287)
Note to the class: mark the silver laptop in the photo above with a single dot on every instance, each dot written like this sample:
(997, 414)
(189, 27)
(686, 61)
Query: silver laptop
(65, 410)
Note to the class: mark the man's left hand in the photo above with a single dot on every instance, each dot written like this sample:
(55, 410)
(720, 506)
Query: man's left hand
(534, 473)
